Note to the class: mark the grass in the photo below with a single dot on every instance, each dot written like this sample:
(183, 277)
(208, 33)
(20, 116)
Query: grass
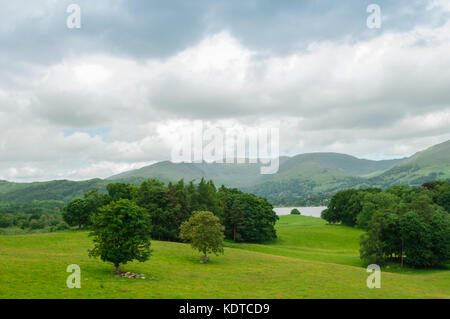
(311, 239)
(309, 260)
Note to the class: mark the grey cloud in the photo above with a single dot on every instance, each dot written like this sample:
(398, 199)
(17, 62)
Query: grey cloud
(37, 32)
(299, 64)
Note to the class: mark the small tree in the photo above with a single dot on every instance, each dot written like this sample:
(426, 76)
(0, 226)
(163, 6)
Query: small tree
(204, 232)
(295, 211)
(76, 213)
(121, 232)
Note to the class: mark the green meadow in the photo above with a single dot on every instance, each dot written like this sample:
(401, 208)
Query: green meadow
(310, 259)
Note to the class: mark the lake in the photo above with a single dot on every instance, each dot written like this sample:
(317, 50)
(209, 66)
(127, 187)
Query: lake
(305, 211)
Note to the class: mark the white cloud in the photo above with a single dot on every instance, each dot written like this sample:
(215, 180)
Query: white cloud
(366, 98)
(440, 4)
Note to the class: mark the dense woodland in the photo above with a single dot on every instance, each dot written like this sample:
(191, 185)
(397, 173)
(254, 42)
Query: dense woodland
(409, 225)
(246, 217)
(35, 216)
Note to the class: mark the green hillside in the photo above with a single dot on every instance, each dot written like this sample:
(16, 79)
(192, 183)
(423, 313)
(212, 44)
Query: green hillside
(310, 179)
(333, 165)
(310, 259)
(334, 162)
(60, 190)
(63, 190)
(229, 174)
(305, 179)
(431, 164)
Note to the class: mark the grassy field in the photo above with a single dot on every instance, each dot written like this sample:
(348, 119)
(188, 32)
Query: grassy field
(309, 260)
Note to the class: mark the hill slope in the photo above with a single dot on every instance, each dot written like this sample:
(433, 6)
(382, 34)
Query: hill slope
(335, 162)
(430, 164)
(305, 179)
(310, 260)
(229, 174)
(63, 190)
(248, 174)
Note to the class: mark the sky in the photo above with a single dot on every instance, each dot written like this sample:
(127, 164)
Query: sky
(116, 93)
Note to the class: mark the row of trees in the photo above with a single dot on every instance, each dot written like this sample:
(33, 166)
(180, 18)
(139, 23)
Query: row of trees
(23, 221)
(33, 216)
(245, 217)
(408, 225)
(294, 192)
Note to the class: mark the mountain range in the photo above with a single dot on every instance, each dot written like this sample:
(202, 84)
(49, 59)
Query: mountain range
(305, 179)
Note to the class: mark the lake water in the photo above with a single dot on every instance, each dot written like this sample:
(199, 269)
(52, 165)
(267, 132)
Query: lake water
(305, 211)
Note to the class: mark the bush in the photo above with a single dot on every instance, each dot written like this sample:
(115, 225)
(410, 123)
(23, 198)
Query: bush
(36, 224)
(295, 211)
(6, 220)
(62, 226)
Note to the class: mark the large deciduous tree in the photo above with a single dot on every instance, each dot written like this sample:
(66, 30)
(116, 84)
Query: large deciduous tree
(121, 232)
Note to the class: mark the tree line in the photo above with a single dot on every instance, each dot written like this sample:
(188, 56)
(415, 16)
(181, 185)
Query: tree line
(35, 216)
(245, 217)
(409, 225)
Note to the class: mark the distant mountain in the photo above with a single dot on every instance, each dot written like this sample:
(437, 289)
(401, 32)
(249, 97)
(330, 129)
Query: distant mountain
(305, 179)
(430, 164)
(323, 167)
(62, 190)
(238, 175)
(229, 174)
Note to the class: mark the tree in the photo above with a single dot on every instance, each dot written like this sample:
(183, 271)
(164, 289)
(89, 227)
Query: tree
(204, 232)
(416, 239)
(236, 220)
(6, 220)
(382, 240)
(415, 233)
(121, 232)
(260, 219)
(373, 202)
(152, 195)
(440, 192)
(425, 231)
(94, 200)
(295, 211)
(344, 207)
(247, 217)
(121, 191)
(76, 213)
(178, 204)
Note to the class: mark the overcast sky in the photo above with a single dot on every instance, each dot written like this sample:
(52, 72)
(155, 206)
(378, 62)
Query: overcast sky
(111, 96)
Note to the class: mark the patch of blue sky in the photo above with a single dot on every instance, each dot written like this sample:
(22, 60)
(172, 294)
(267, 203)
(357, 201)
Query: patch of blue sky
(102, 132)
